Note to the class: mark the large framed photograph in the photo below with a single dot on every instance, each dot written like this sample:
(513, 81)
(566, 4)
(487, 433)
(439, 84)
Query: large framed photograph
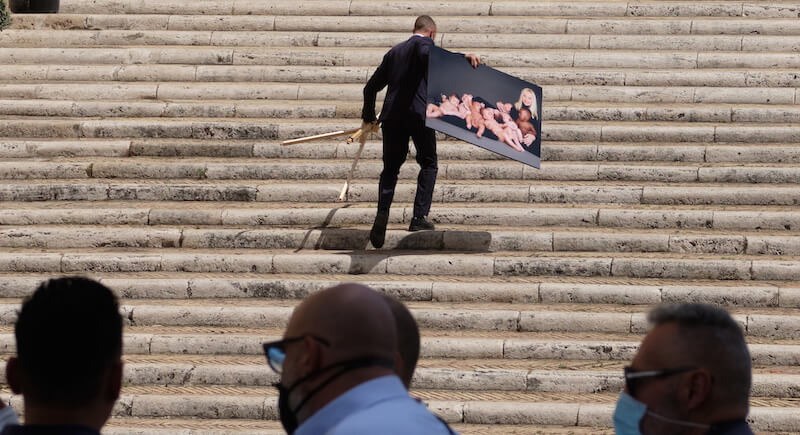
(485, 107)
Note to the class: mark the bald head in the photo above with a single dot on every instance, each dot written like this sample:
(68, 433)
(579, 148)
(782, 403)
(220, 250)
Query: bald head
(352, 317)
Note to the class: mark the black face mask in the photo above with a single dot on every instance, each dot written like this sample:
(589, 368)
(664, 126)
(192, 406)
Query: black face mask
(288, 415)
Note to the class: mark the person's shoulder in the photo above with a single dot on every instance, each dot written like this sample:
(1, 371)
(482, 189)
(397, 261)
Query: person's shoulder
(397, 416)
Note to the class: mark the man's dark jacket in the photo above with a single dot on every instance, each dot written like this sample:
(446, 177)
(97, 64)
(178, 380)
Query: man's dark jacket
(405, 70)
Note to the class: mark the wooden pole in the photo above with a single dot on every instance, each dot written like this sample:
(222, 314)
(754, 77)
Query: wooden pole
(362, 139)
(320, 136)
(359, 134)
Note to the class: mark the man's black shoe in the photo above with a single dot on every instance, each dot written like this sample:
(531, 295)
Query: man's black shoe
(378, 233)
(420, 224)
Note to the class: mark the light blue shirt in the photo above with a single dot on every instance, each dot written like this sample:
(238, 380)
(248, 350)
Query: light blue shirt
(379, 406)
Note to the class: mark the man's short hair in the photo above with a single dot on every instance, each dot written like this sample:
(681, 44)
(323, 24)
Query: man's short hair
(69, 332)
(424, 23)
(712, 339)
(408, 341)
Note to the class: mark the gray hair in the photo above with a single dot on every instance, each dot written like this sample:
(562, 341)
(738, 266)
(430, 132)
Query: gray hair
(712, 339)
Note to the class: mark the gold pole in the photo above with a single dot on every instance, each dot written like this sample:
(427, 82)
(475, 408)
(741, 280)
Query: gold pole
(320, 136)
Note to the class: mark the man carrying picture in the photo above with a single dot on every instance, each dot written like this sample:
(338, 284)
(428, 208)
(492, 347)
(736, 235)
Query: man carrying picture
(404, 70)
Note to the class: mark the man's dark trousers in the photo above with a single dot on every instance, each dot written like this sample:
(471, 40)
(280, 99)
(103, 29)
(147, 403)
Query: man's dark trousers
(395, 149)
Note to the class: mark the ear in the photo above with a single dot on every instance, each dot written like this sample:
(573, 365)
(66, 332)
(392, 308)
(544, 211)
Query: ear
(114, 382)
(13, 375)
(311, 359)
(698, 388)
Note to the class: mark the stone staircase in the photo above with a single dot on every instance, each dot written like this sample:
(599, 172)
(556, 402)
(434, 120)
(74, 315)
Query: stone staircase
(139, 144)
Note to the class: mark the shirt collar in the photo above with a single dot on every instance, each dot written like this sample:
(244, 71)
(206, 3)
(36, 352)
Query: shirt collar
(357, 398)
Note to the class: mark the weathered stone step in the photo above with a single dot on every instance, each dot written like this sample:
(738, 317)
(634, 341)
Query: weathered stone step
(484, 425)
(533, 318)
(410, 263)
(172, 426)
(748, 78)
(474, 24)
(458, 239)
(366, 191)
(448, 40)
(192, 426)
(290, 128)
(500, 345)
(475, 365)
(784, 25)
(773, 385)
(552, 111)
(476, 408)
(534, 290)
(333, 56)
(446, 149)
(323, 215)
(444, 8)
(133, 169)
(332, 92)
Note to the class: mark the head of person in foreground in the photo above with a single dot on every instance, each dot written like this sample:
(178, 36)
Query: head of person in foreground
(692, 374)
(68, 366)
(338, 364)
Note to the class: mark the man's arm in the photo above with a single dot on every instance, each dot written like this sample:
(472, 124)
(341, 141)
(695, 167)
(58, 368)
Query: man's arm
(473, 59)
(378, 81)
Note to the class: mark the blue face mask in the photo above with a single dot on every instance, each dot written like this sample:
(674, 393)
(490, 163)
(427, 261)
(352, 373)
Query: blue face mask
(629, 413)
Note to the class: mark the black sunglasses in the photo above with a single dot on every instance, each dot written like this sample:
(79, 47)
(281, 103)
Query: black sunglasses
(632, 376)
(275, 351)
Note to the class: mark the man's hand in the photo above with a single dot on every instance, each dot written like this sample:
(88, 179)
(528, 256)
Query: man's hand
(473, 59)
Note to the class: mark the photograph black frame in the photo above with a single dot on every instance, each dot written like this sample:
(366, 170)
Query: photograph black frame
(450, 73)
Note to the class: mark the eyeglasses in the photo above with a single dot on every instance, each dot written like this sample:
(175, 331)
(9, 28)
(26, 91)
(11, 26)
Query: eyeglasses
(275, 351)
(632, 376)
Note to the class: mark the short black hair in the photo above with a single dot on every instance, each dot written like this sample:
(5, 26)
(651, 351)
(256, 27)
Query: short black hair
(713, 340)
(424, 23)
(408, 341)
(69, 332)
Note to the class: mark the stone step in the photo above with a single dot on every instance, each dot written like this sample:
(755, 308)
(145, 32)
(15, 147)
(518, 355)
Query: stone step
(502, 346)
(453, 239)
(472, 365)
(765, 386)
(409, 263)
(353, 93)
(752, 78)
(552, 111)
(479, 317)
(478, 408)
(335, 56)
(148, 169)
(290, 128)
(547, 290)
(448, 40)
(366, 191)
(321, 215)
(172, 426)
(672, 25)
(552, 151)
(443, 8)
(775, 385)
